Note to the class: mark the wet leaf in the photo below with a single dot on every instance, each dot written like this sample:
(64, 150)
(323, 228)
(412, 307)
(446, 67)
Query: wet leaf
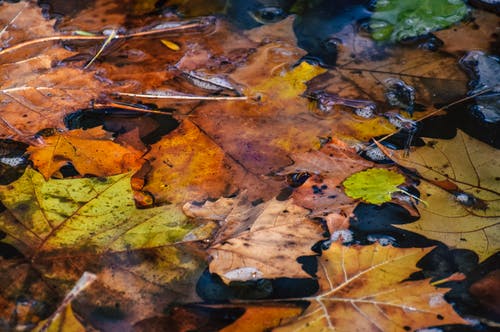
(375, 185)
(461, 191)
(37, 90)
(91, 152)
(67, 227)
(83, 213)
(485, 288)
(261, 241)
(322, 192)
(189, 165)
(475, 34)
(397, 20)
(262, 318)
(363, 287)
(65, 322)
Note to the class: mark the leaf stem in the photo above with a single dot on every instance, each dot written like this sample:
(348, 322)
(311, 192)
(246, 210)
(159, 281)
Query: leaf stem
(413, 196)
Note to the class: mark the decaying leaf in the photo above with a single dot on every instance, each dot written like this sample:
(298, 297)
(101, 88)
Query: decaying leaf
(321, 192)
(461, 191)
(375, 185)
(67, 227)
(363, 288)
(37, 91)
(91, 152)
(261, 241)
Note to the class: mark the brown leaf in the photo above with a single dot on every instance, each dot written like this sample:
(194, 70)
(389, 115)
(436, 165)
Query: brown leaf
(486, 290)
(474, 34)
(363, 288)
(261, 241)
(36, 90)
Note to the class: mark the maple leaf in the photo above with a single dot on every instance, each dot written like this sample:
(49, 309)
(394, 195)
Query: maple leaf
(37, 90)
(461, 191)
(91, 152)
(262, 317)
(188, 165)
(66, 227)
(363, 288)
(261, 241)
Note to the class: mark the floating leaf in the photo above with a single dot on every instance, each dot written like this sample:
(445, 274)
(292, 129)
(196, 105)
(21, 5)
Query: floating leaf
(91, 152)
(375, 185)
(261, 241)
(397, 20)
(37, 92)
(363, 288)
(461, 191)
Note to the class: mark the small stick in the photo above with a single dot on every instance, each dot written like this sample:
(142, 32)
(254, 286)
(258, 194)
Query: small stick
(176, 29)
(180, 97)
(111, 36)
(85, 280)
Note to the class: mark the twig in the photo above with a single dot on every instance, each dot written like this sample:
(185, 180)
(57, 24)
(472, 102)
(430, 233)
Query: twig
(86, 279)
(181, 27)
(179, 97)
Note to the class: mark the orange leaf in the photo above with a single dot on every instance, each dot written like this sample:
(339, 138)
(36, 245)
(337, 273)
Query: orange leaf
(363, 289)
(87, 150)
(261, 318)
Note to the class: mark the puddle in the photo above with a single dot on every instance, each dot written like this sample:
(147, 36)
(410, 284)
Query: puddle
(371, 89)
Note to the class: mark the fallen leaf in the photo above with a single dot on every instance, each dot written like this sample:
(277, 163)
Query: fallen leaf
(262, 318)
(37, 91)
(321, 192)
(65, 322)
(398, 20)
(275, 121)
(188, 165)
(363, 288)
(91, 152)
(461, 191)
(485, 289)
(475, 34)
(375, 185)
(259, 242)
(66, 227)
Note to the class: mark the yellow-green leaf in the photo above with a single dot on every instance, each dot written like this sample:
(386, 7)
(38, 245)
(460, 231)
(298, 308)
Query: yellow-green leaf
(95, 214)
(374, 185)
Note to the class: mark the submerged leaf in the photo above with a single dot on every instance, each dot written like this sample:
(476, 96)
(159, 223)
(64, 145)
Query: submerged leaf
(397, 20)
(375, 185)
(66, 227)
